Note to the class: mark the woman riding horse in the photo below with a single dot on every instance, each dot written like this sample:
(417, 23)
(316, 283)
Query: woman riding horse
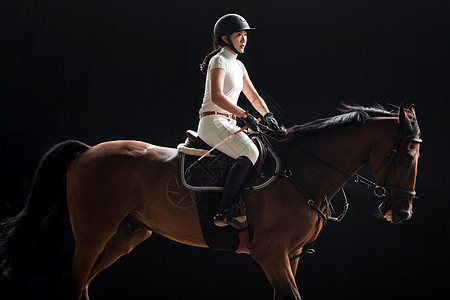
(226, 77)
(118, 193)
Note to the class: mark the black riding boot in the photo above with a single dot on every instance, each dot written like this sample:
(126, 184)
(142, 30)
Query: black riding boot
(231, 193)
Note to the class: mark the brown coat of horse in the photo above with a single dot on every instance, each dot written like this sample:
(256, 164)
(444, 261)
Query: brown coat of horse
(119, 193)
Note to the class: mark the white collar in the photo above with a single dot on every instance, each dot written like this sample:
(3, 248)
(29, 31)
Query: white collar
(228, 54)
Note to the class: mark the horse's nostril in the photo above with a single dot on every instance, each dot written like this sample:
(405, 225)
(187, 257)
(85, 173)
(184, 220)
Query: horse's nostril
(403, 214)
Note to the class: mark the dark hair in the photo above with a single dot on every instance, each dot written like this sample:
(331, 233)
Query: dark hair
(217, 46)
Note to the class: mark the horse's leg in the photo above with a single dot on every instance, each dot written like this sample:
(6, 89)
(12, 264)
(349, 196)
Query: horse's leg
(87, 249)
(126, 238)
(92, 234)
(294, 262)
(85, 293)
(278, 270)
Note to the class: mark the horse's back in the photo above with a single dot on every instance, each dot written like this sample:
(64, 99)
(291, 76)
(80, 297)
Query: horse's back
(116, 174)
(126, 156)
(130, 149)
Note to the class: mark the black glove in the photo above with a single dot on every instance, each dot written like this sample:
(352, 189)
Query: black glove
(271, 122)
(251, 122)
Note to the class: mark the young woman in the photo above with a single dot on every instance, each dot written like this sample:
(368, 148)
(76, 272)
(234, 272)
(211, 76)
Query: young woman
(226, 77)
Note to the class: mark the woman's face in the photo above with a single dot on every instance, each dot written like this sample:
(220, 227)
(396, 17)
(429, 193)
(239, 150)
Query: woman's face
(239, 40)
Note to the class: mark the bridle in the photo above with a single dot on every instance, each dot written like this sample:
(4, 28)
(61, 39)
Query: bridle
(381, 191)
(384, 190)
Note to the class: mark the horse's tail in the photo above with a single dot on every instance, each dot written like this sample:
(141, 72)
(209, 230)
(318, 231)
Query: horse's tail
(46, 202)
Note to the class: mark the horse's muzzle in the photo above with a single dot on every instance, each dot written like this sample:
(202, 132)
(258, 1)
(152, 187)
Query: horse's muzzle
(401, 216)
(392, 216)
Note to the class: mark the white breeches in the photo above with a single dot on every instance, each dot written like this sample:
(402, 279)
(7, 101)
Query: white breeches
(215, 128)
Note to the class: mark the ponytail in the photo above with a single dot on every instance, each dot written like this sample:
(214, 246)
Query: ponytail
(205, 62)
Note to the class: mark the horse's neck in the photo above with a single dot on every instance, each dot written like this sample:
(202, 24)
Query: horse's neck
(341, 153)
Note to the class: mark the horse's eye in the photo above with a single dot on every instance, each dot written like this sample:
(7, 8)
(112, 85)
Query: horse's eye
(407, 158)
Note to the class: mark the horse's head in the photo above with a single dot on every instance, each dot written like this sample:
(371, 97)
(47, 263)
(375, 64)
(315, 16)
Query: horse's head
(396, 171)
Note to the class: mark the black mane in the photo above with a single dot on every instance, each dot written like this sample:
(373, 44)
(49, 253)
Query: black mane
(351, 114)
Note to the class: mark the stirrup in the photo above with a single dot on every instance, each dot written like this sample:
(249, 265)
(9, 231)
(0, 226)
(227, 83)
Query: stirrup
(233, 223)
(220, 219)
(220, 223)
(238, 213)
(241, 218)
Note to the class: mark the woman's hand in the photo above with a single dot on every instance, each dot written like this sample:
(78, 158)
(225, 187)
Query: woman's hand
(251, 122)
(271, 122)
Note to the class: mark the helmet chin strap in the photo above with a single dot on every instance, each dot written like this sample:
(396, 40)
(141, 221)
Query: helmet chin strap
(231, 46)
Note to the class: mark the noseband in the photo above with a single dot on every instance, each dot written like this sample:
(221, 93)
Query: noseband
(383, 190)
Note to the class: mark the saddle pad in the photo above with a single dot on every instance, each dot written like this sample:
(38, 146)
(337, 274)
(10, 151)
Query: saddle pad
(192, 151)
(209, 174)
(222, 239)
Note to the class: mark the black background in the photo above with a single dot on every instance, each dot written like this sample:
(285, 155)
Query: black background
(105, 70)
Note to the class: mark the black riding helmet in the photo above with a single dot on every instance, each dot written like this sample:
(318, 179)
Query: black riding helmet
(228, 24)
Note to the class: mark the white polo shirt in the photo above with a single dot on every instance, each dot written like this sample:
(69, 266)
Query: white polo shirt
(233, 83)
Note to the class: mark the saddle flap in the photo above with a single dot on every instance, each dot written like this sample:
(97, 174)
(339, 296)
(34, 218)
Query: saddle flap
(261, 158)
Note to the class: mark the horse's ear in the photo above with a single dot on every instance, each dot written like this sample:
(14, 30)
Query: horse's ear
(412, 109)
(403, 117)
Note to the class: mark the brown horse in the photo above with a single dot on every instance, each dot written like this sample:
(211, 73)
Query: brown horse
(119, 193)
